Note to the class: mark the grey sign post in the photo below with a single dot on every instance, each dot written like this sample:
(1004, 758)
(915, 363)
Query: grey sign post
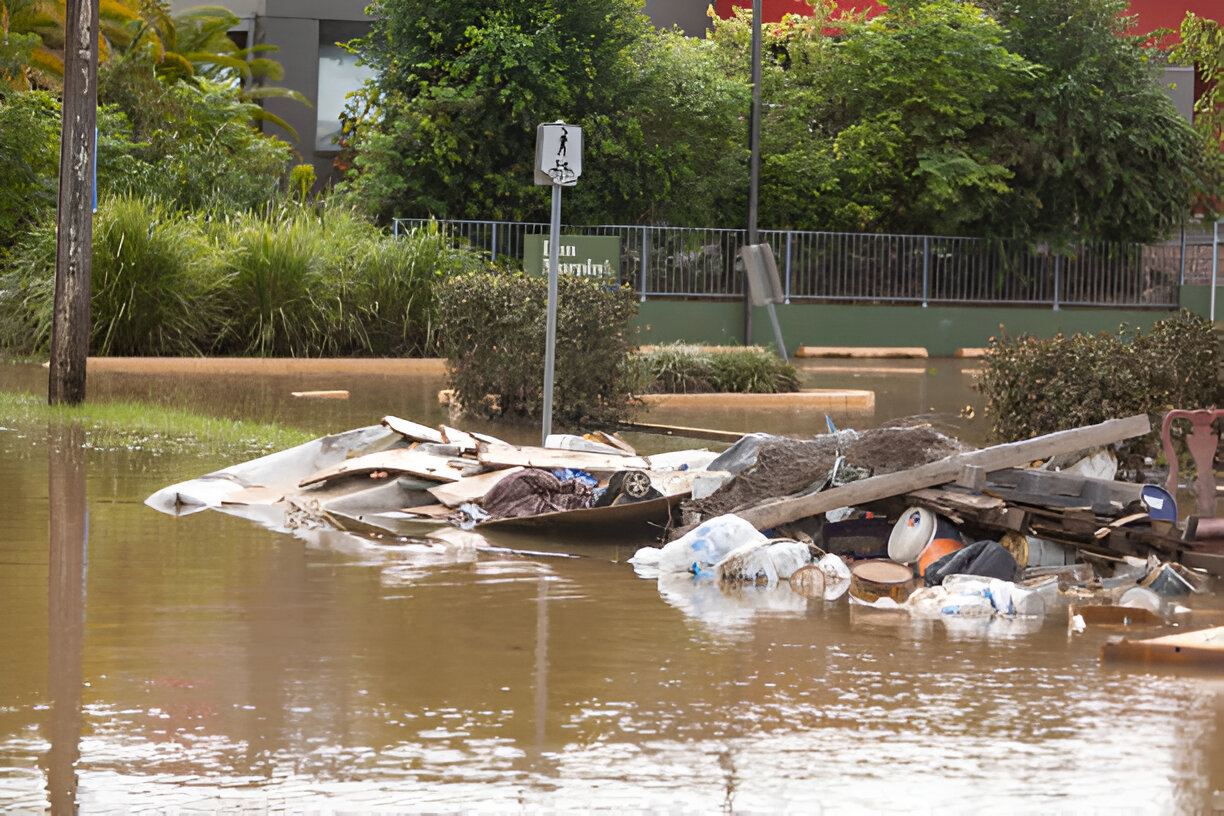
(764, 286)
(559, 164)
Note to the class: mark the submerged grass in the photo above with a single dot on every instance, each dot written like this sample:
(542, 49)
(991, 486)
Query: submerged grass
(150, 428)
(686, 368)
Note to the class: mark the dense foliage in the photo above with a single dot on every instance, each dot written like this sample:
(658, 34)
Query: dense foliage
(1201, 44)
(293, 282)
(1104, 153)
(1039, 120)
(1036, 386)
(450, 123)
(493, 329)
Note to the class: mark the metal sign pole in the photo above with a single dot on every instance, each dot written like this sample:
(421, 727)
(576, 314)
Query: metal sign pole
(550, 342)
(558, 163)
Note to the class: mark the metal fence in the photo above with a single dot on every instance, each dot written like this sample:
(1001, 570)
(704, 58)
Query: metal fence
(696, 263)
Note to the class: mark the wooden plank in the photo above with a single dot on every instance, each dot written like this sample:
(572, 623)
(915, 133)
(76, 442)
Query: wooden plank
(1212, 563)
(613, 440)
(874, 352)
(679, 430)
(497, 456)
(469, 488)
(413, 430)
(463, 440)
(955, 499)
(396, 460)
(1202, 648)
(998, 457)
(336, 394)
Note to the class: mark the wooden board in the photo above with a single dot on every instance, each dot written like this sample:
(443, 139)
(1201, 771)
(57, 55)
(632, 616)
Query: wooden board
(469, 488)
(679, 430)
(463, 440)
(413, 430)
(497, 456)
(875, 352)
(1202, 648)
(337, 394)
(998, 457)
(396, 460)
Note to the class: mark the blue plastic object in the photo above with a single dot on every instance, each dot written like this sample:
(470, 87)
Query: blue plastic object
(1160, 505)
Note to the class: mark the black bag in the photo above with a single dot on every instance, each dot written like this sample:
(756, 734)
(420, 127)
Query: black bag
(987, 558)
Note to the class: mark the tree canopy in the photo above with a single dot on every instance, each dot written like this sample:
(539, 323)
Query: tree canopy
(461, 88)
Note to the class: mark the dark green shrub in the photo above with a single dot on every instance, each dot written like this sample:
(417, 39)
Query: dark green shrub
(492, 330)
(1034, 386)
(275, 299)
(154, 291)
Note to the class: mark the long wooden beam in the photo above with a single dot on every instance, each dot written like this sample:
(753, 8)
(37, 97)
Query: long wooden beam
(998, 457)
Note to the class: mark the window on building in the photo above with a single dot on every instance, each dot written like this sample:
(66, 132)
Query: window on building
(339, 75)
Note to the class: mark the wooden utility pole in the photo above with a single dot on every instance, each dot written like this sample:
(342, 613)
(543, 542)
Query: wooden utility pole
(74, 217)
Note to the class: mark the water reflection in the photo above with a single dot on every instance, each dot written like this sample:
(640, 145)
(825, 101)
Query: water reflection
(234, 668)
(68, 513)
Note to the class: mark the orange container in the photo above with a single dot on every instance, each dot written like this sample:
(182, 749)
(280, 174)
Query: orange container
(937, 549)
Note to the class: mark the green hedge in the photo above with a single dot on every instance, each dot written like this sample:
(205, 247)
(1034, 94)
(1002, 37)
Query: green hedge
(685, 368)
(493, 327)
(1034, 386)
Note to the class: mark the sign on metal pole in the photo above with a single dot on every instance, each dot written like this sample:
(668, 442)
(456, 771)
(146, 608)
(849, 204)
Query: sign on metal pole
(558, 162)
(558, 154)
(764, 286)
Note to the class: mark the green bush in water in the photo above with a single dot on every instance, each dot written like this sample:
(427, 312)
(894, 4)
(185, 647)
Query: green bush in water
(389, 285)
(493, 327)
(681, 368)
(275, 299)
(1034, 386)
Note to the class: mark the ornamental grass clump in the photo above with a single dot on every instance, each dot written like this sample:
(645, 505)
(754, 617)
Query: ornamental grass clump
(1034, 386)
(684, 368)
(276, 301)
(154, 292)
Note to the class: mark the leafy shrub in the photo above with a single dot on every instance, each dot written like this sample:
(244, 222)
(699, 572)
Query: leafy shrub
(680, 368)
(493, 328)
(1034, 386)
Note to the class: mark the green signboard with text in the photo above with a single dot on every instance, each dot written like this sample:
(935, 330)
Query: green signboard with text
(587, 256)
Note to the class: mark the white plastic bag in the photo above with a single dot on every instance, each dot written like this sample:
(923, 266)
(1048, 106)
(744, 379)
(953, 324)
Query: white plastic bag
(698, 550)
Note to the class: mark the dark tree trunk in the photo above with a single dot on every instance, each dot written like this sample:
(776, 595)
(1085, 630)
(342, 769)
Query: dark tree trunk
(74, 218)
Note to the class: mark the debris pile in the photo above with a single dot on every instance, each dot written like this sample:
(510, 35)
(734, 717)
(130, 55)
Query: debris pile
(900, 519)
(403, 478)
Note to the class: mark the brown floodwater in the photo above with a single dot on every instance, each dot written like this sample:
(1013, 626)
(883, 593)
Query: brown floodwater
(205, 664)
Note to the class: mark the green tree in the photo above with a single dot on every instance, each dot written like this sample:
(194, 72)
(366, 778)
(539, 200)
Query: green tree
(890, 124)
(1202, 46)
(1100, 150)
(448, 128)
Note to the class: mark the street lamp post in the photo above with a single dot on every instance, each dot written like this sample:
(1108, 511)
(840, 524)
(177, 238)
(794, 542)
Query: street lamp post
(754, 157)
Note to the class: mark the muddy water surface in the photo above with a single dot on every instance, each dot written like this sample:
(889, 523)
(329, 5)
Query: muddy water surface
(203, 664)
